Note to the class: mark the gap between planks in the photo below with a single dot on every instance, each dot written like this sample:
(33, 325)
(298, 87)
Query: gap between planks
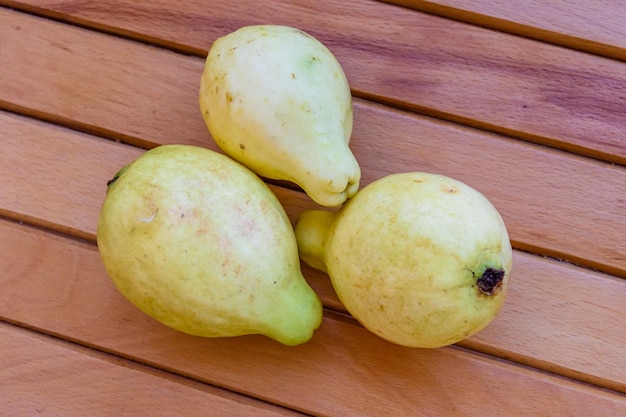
(542, 196)
(75, 379)
(538, 22)
(340, 354)
(574, 25)
(543, 82)
(533, 315)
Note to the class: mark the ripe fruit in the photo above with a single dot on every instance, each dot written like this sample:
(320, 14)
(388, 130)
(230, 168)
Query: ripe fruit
(419, 259)
(277, 100)
(200, 243)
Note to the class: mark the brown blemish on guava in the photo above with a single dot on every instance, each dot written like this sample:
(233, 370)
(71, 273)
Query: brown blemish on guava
(112, 180)
(306, 35)
(116, 176)
(490, 283)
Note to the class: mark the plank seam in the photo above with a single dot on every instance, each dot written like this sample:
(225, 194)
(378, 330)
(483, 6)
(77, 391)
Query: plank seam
(138, 365)
(512, 28)
(468, 348)
(477, 348)
(479, 125)
(185, 50)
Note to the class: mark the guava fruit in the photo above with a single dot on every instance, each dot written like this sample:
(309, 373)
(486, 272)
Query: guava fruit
(420, 259)
(277, 100)
(200, 243)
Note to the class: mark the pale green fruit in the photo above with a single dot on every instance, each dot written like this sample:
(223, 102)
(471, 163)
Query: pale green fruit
(419, 259)
(201, 244)
(277, 100)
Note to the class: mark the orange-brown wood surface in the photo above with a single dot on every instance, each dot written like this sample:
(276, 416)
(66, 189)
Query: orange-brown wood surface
(535, 122)
(588, 25)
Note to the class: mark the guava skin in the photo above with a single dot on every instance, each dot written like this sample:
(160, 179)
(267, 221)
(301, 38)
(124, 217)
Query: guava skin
(277, 100)
(201, 244)
(421, 260)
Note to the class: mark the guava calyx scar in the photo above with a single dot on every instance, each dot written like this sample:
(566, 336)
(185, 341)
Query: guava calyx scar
(491, 281)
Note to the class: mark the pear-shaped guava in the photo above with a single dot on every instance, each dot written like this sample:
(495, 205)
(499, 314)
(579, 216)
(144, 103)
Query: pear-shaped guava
(420, 259)
(201, 244)
(277, 100)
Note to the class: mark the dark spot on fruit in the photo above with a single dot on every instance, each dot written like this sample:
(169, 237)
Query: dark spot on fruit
(242, 146)
(117, 175)
(112, 180)
(490, 282)
(299, 32)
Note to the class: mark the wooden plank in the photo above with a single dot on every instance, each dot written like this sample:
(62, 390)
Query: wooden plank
(88, 80)
(355, 372)
(57, 180)
(528, 191)
(50, 195)
(593, 26)
(542, 194)
(56, 284)
(41, 376)
(439, 67)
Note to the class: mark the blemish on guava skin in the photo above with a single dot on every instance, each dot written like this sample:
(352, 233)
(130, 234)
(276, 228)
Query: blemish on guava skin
(117, 175)
(490, 283)
(299, 32)
(242, 146)
(112, 180)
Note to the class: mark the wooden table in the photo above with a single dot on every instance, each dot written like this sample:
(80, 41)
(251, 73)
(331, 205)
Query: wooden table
(525, 101)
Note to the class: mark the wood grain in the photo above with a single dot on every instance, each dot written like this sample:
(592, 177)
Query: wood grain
(66, 81)
(160, 106)
(79, 77)
(545, 301)
(596, 27)
(460, 72)
(354, 371)
(54, 378)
